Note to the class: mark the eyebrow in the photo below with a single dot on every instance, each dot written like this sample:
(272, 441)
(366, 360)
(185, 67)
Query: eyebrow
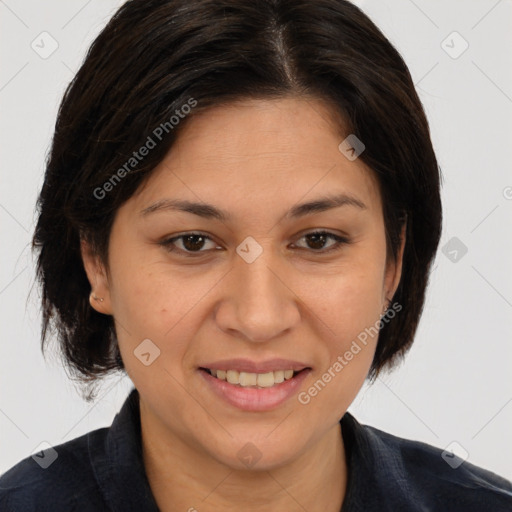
(209, 211)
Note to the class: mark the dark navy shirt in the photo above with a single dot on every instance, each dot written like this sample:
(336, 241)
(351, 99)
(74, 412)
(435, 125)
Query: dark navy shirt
(104, 471)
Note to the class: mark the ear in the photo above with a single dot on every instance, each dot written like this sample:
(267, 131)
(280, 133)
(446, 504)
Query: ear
(394, 268)
(98, 279)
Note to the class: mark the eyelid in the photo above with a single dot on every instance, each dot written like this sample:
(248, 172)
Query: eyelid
(340, 240)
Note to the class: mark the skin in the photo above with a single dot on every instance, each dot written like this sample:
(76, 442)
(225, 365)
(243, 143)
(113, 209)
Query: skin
(255, 159)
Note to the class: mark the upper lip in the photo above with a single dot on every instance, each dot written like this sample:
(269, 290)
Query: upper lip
(246, 365)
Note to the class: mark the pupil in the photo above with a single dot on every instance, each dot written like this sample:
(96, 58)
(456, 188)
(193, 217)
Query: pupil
(192, 247)
(317, 237)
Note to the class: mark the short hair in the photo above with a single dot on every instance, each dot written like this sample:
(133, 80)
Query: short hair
(150, 60)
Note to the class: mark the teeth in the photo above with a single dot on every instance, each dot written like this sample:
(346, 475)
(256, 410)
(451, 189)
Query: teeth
(233, 377)
(246, 379)
(279, 376)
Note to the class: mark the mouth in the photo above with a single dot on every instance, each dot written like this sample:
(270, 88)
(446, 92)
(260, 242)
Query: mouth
(254, 392)
(243, 379)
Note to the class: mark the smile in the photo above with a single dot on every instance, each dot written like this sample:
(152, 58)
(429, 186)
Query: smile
(258, 380)
(247, 394)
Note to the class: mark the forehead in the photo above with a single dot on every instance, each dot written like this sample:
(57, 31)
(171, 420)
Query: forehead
(259, 154)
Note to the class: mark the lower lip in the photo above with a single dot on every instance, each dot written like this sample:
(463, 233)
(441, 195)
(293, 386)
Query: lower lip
(255, 399)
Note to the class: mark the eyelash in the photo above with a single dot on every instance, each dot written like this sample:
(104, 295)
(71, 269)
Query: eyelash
(168, 243)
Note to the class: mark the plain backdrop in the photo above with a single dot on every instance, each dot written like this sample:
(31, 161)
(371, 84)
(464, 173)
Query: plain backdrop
(455, 385)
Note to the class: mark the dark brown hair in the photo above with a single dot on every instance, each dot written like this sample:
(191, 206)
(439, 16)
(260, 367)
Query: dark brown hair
(152, 57)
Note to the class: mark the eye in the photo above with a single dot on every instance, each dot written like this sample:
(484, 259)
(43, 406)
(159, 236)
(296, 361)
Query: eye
(192, 243)
(317, 240)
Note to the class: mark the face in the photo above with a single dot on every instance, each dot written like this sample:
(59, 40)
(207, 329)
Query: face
(256, 277)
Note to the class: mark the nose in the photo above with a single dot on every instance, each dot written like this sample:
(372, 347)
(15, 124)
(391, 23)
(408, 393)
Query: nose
(258, 303)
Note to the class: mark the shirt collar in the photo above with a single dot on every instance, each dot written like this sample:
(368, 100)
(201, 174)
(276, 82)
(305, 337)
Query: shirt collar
(120, 473)
(119, 466)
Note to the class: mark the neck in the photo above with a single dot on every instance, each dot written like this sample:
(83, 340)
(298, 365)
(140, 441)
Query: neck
(182, 477)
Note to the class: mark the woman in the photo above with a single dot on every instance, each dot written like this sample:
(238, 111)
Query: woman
(240, 211)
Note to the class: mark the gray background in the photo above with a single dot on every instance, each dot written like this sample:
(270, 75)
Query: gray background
(455, 385)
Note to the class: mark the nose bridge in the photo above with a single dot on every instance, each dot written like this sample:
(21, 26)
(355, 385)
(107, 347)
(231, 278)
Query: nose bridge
(262, 306)
(260, 284)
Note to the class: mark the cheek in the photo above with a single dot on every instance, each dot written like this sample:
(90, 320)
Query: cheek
(349, 300)
(149, 307)
(152, 304)
(349, 305)
(351, 313)
(153, 301)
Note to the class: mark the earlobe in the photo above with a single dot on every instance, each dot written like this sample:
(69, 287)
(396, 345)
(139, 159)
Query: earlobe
(95, 302)
(99, 297)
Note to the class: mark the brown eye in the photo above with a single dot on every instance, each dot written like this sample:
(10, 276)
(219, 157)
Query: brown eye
(190, 243)
(193, 242)
(318, 239)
